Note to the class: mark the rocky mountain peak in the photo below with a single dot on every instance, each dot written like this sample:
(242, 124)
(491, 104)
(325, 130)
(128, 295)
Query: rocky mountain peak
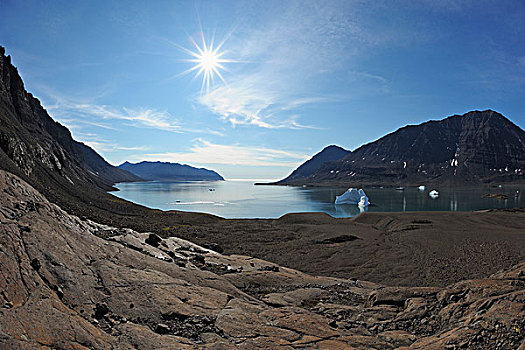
(473, 148)
(41, 150)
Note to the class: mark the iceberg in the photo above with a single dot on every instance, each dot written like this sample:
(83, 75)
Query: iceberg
(353, 196)
(434, 194)
(422, 188)
(363, 202)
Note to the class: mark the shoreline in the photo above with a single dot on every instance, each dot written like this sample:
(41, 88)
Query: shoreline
(392, 248)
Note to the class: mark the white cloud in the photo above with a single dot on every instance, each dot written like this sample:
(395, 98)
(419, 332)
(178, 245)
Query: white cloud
(204, 152)
(75, 115)
(102, 145)
(244, 102)
(78, 124)
(106, 146)
(290, 47)
(152, 118)
(110, 147)
(137, 148)
(86, 112)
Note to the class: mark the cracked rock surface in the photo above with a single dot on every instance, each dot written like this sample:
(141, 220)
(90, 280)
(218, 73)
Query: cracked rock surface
(62, 287)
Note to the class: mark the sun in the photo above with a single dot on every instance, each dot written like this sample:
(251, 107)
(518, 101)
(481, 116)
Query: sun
(208, 61)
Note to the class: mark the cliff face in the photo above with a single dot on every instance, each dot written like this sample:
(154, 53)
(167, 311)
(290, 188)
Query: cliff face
(33, 145)
(477, 147)
(42, 152)
(163, 171)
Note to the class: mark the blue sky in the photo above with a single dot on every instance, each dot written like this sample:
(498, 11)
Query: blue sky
(304, 74)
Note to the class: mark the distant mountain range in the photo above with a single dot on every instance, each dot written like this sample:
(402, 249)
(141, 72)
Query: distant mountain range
(164, 171)
(474, 148)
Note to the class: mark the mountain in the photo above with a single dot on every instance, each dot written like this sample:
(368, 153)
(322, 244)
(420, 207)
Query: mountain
(33, 144)
(164, 171)
(42, 151)
(477, 147)
(308, 168)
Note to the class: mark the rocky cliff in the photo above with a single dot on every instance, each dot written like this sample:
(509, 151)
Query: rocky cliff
(63, 287)
(164, 171)
(40, 150)
(474, 148)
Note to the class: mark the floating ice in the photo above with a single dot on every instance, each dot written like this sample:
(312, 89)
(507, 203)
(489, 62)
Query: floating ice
(434, 194)
(422, 188)
(353, 196)
(363, 202)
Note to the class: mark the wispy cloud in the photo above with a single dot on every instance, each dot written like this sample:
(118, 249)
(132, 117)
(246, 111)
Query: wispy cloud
(78, 114)
(204, 152)
(244, 103)
(103, 145)
(78, 124)
(290, 52)
(137, 148)
(89, 113)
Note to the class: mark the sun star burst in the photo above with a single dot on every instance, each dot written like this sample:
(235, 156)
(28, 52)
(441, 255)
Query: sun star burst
(208, 62)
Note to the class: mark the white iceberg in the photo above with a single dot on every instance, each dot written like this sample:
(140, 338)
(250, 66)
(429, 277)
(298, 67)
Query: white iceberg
(363, 202)
(422, 188)
(353, 196)
(434, 194)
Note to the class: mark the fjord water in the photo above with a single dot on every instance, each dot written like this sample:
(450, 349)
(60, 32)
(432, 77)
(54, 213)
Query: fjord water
(242, 199)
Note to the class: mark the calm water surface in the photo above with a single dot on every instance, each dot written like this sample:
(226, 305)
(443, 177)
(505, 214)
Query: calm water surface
(241, 199)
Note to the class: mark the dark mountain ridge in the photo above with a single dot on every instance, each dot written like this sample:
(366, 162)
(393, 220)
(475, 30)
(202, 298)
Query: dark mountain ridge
(329, 153)
(477, 147)
(43, 152)
(165, 171)
(33, 144)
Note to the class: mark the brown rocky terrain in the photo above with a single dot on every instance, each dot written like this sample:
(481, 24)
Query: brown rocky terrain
(62, 287)
(409, 249)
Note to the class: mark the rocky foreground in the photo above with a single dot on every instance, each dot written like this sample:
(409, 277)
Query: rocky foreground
(62, 287)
